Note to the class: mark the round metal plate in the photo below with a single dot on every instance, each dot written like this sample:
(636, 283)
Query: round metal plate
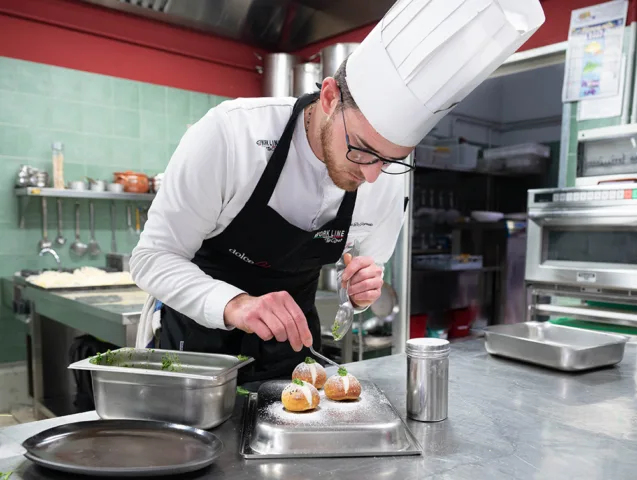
(123, 447)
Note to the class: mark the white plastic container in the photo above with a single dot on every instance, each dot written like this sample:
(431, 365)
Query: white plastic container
(452, 157)
(525, 157)
(424, 156)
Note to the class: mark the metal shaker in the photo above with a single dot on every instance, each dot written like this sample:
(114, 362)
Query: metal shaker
(427, 379)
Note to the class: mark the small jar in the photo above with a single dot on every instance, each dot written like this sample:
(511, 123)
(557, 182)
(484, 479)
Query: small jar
(427, 379)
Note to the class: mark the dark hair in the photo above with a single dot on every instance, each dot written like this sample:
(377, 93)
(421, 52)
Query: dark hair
(341, 80)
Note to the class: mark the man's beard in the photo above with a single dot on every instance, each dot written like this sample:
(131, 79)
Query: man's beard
(338, 174)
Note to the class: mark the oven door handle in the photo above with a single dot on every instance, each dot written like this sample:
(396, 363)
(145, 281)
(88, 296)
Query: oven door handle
(587, 216)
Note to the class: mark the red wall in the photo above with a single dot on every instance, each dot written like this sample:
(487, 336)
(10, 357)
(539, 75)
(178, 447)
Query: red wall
(77, 35)
(81, 36)
(554, 30)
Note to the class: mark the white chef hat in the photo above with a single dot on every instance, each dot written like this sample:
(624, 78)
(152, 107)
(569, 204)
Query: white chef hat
(425, 56)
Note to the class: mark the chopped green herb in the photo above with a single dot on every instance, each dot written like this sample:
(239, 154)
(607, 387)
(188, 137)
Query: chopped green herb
(5, 476)
(298, 381)
(170, 362)
(309, 360)
(342, 371)
(335, 328)
(243, 358)
(242, 391)
(107, 358)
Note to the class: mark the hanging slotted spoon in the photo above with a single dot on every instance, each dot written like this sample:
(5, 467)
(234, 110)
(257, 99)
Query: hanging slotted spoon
(44, 242)
(78, 247)
(93, 247)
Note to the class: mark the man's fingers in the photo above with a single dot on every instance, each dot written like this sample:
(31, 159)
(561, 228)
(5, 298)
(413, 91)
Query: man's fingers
(305, 336)
(284, 316)
(356, 288)
(366, 298)
(354, 265)
(276, 315)
(370, 273)
(274, 324)
(259, 328)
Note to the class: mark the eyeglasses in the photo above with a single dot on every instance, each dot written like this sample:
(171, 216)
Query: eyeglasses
(362, 156)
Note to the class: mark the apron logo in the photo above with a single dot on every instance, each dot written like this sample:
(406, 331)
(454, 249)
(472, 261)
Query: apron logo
(269, 145)
(246, 259)
(331, 236)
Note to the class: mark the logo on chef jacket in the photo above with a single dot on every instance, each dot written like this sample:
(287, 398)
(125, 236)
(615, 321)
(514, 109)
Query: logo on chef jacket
(269, 145)
(245, 258)
(331, 236)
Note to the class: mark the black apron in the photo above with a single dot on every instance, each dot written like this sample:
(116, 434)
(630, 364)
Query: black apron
(260, 252)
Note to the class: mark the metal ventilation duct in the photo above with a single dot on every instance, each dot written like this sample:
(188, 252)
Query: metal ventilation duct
(275, 25)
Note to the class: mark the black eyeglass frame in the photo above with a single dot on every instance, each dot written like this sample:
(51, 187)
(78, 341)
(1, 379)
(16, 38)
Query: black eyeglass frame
(385, 161)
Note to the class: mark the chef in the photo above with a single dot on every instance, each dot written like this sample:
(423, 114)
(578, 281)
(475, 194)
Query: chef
(262, 192)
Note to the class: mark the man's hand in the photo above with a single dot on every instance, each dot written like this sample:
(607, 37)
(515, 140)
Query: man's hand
(272, 315)
(365, 280)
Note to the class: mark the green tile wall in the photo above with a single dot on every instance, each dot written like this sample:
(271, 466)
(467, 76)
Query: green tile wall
(106, 124)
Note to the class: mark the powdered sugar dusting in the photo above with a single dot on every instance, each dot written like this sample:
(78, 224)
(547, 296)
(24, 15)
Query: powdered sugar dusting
(308, 370)
(329, 412)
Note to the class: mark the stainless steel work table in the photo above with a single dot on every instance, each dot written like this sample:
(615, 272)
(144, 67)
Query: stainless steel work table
(507, 420)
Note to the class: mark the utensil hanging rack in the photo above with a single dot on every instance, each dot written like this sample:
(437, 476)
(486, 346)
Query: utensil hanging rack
(26, 193)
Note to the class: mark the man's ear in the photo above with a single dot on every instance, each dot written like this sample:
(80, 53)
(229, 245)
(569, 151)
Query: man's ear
(330, 95)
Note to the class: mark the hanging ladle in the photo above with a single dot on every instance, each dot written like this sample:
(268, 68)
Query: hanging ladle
(78, 247)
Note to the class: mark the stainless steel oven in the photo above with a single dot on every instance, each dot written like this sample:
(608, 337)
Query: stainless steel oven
(584, 237)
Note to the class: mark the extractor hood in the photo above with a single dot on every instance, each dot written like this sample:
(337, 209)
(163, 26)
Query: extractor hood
(275, 25)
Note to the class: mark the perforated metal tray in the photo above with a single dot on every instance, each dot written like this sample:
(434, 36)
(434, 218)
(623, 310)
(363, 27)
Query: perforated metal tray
(370, 426)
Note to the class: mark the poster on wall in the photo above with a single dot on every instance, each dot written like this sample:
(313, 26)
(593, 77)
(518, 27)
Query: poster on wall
(593, 57)
(607, 107)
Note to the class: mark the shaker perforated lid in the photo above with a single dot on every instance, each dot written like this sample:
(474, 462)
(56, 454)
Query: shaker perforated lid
(427, 346)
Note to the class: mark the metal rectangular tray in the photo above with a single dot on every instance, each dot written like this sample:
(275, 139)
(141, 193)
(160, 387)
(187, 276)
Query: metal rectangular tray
(369, 426)
(554, 346)
(199, 390)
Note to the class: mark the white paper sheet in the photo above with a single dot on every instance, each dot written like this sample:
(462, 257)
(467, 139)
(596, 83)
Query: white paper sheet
(593, 58)
(594, 108)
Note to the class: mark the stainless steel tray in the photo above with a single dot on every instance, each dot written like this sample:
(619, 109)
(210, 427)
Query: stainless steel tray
(189, 388)
(369, 426)
(123, 448)
(555, 346)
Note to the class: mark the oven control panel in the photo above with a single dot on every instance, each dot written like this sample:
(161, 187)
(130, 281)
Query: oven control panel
(597, 195)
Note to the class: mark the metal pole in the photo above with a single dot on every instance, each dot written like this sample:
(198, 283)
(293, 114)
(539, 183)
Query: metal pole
(401, 273)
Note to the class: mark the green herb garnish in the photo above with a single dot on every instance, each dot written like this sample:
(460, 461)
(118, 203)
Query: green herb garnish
(242, 358)
(107, 358)
(335, 328)
(242, 391)
(5, 476)
(342, 371)
(170, 362)
(309, 360)
(298, 381)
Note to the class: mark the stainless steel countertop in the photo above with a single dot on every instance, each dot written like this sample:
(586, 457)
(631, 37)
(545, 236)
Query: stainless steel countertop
(111, 314)
(121, 305)
(506, 420)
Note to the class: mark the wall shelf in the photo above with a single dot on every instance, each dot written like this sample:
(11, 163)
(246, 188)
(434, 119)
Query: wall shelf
(27, 193)
(86, 194)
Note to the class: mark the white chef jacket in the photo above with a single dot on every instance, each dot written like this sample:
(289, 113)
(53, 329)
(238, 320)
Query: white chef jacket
(209, 179)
